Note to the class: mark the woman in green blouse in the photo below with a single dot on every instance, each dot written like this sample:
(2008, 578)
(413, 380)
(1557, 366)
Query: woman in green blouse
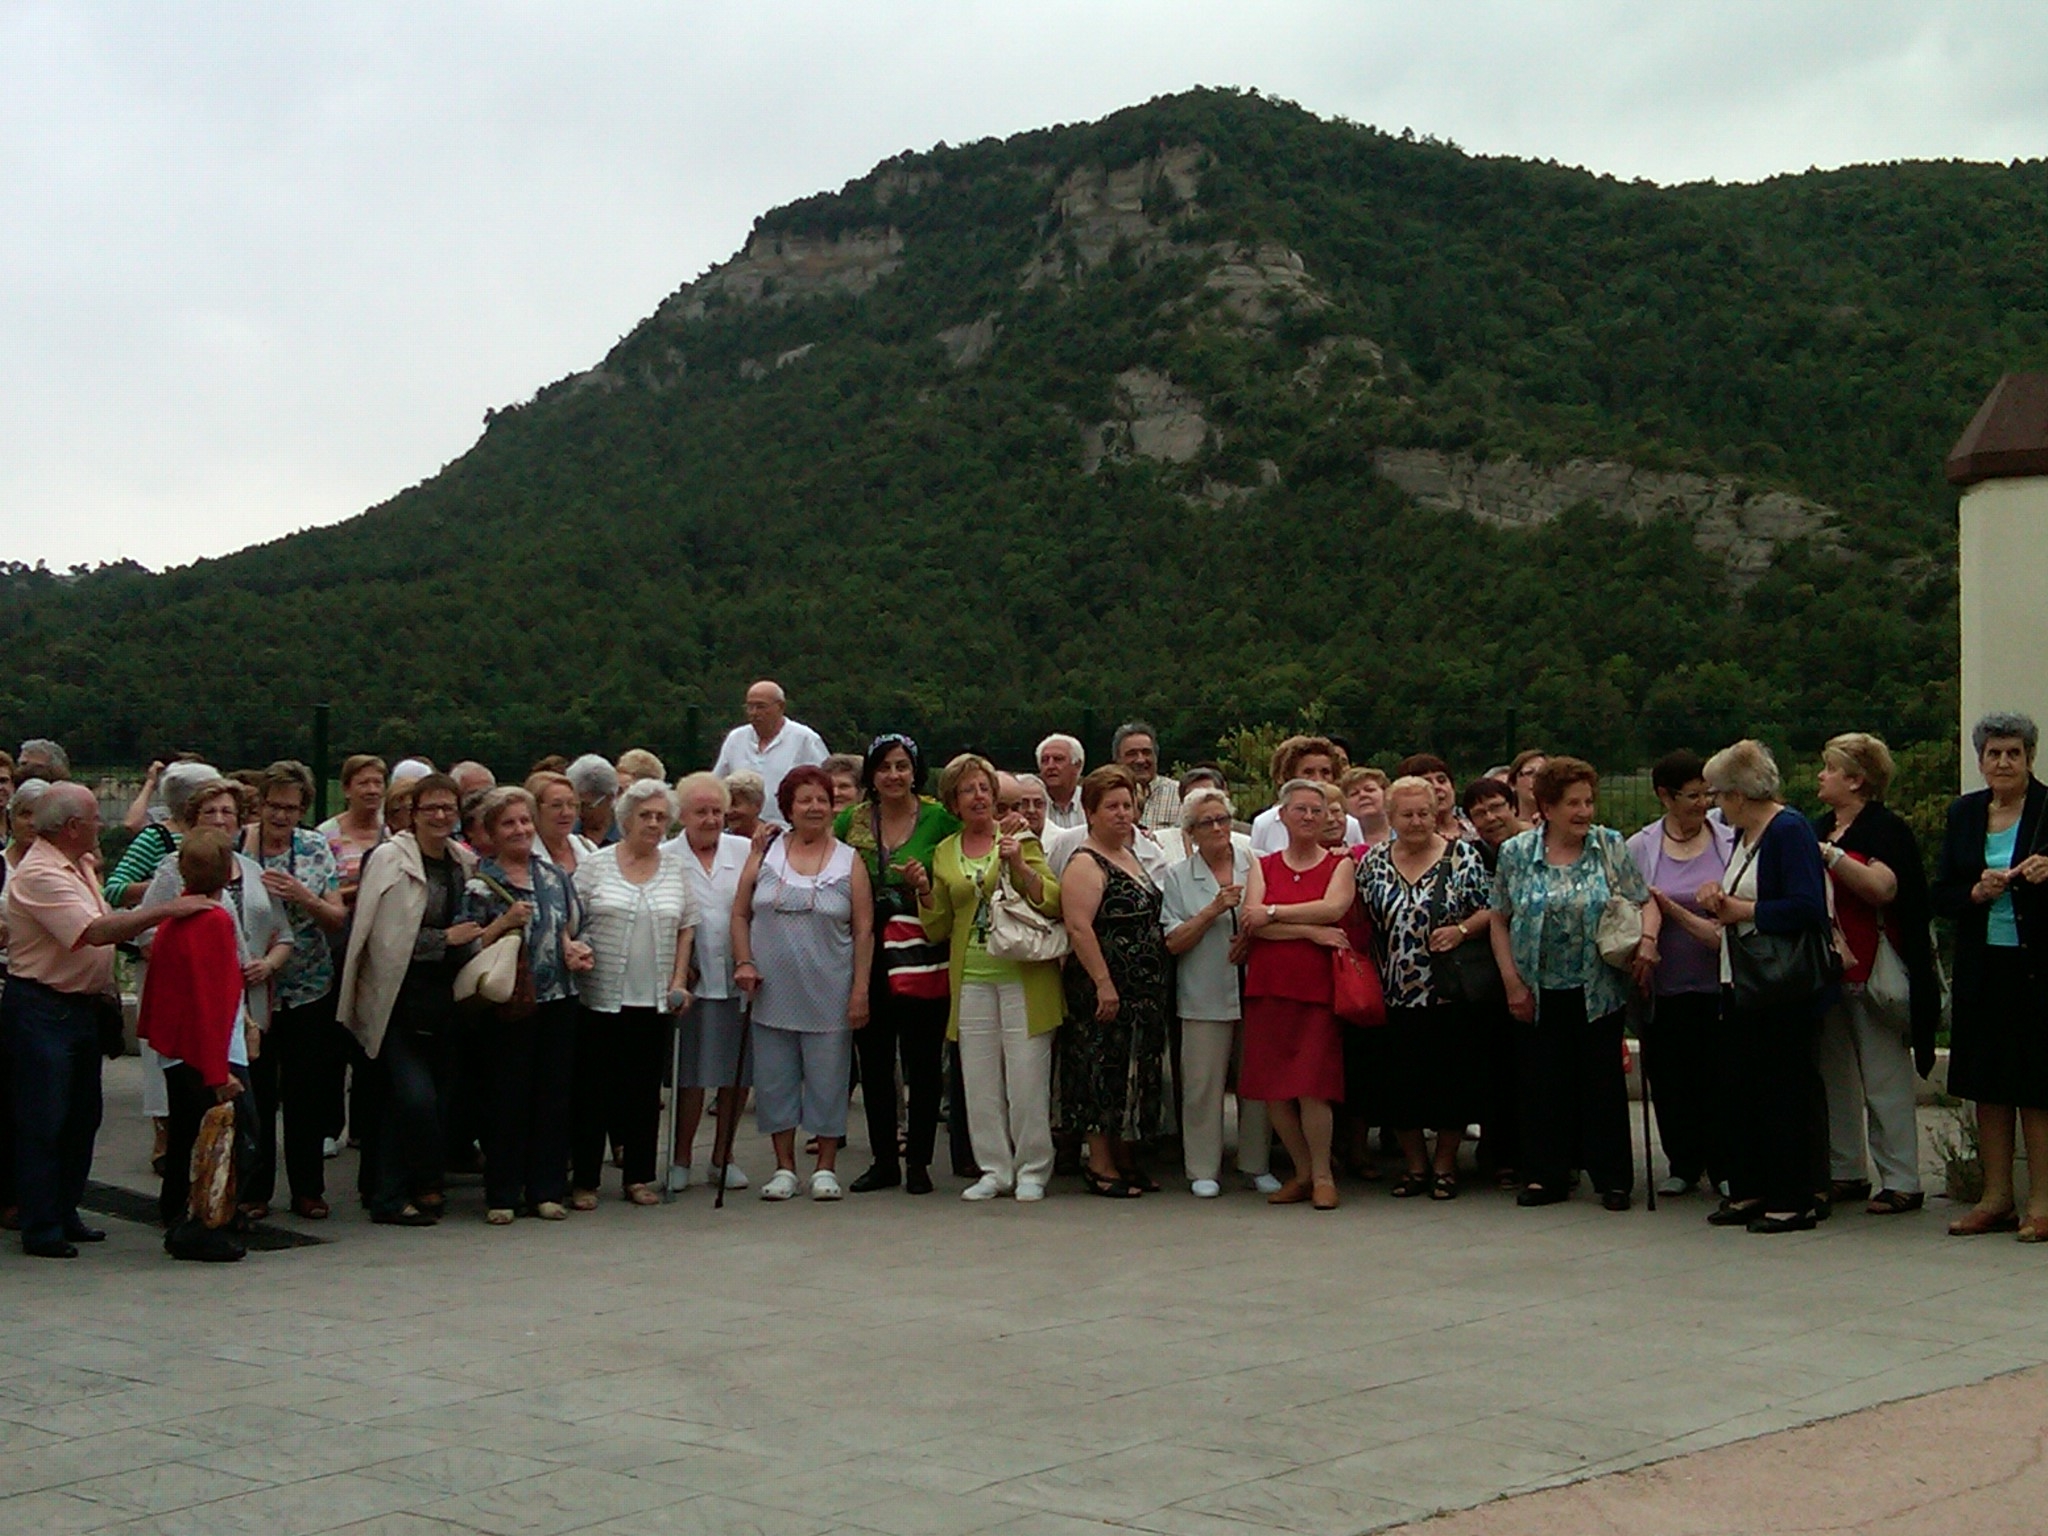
(892, 824)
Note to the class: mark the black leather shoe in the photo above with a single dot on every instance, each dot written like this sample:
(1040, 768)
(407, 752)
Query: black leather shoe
(917, 1181)
(1731, 1214)
(1536, 1194)
(1765, 1226)
(56, 1250)
(84, 1234)
(878, 1176)
(1616, 1200)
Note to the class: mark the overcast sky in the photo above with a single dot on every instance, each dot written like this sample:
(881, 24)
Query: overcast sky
(264, 265)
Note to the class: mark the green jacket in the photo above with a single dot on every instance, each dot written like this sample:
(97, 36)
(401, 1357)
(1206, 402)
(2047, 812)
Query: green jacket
(953, 891)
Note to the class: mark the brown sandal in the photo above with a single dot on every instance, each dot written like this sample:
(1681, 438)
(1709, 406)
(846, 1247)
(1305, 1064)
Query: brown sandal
(1893, 1202)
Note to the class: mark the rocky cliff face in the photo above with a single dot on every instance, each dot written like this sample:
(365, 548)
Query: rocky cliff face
(783, 269)
(1738, 526)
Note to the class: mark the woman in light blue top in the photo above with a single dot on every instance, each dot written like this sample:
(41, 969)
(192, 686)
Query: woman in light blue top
(1549, 890)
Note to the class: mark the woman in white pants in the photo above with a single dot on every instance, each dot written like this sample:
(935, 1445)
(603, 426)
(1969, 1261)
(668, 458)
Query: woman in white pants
(1004, 1011)
(1198, 906)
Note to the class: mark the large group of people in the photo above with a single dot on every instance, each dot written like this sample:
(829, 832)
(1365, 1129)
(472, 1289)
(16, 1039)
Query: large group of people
(1062, 966)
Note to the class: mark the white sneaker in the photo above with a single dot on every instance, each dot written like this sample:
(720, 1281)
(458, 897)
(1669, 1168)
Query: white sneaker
(1205, 1189)
(1674, 1186)
(735, 1175)
(825, 1185)
(1026, 1190)
(1264, 1183)
(987, 1187)
(331, 1147)
(678, 1178)
(781, 1187)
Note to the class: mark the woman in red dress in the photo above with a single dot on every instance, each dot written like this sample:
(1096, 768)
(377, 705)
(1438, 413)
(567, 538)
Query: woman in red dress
(1293, 1048)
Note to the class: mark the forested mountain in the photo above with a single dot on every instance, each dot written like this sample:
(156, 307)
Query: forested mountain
(1209, 410)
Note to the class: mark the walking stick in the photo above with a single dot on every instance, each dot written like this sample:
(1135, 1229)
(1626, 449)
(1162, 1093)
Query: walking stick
(668, 1112)
(724, 1129)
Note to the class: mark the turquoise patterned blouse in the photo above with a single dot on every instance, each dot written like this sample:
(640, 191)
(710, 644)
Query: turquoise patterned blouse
(1553, 914)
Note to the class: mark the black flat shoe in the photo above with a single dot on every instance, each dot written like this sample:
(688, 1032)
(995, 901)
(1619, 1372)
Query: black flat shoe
(84, 1234)
(410, 1216)
(56, 1250)
(1731, 1213)
(1765, 1226)
(917, 1181)
(1533, 1195)
(878, 1176)
(1109, 1188)
(1616, 1200)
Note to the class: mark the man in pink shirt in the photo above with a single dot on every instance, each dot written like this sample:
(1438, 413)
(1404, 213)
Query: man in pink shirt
(60, 967)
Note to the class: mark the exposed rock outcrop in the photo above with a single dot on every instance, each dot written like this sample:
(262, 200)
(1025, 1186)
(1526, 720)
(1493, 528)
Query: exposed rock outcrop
(779, 270)
(1257, 285)
(1741, 528)
(1156, 419)
(1095, 208)
(968, 344)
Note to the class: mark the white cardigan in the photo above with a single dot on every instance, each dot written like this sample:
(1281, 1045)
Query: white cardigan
(609, 902)
(389, 905)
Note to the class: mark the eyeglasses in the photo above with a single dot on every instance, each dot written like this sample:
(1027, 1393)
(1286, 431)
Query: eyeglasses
(1205, 823)
(438, 808)
(293, 810)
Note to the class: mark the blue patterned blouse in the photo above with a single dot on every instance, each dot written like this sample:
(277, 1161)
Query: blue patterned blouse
(557, 914)
(1553, 914)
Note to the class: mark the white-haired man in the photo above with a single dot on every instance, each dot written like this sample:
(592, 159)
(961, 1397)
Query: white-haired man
(1060, 763)
(61, 938)
(770, 744)
(596, 783)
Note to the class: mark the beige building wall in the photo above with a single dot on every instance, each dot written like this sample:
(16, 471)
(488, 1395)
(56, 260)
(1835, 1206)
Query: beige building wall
(2003, 566)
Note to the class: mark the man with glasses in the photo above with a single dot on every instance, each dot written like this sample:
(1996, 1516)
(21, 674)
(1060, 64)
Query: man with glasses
(1136, 747)
(770, 744)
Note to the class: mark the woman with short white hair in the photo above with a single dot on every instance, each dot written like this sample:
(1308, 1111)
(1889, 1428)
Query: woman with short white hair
(597, 787)
(1776, 886)
(712, 1026)
(1198, 908)
(640, 922)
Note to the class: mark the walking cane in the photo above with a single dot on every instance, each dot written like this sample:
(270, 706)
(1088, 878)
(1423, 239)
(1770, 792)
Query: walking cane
(668, 1110)
(723, 1130)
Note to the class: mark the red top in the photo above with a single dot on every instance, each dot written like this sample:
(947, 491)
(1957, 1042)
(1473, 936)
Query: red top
(1298, 969)
(194, 992)
(1859, 922)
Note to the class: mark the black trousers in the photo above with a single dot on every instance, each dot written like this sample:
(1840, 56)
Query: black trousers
(619, 1062)
(526, 1139)
(1574, 1096)
(53, 1038)
(189, 1099)
(310, 1054)
(417, 1063)
(256, 1179)
(914, 1029)
(1500, 1109)
(1685, 1056)
(1781, 1115)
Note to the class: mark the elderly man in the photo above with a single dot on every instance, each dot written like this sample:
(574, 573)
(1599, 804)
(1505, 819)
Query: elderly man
(1060, 763)
(61, 938)
(770, 744)
(41, 758)
(1136, 746)
(596, 783)
(472, 777)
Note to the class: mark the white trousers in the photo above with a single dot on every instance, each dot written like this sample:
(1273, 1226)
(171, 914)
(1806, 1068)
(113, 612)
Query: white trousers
(156, 1094)
(1007, 1072)
(1207, 1047)
(1866, 1059)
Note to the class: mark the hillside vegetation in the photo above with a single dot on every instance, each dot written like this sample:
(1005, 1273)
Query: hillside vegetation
(1143, 416)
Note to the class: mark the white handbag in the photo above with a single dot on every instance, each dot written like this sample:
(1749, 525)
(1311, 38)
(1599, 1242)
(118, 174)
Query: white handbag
(1019, 931)
(1621, 922)
(491, 973)
(1889, 988)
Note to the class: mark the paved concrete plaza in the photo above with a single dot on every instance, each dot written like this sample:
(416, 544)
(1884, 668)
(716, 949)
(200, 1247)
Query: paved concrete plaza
(918, 1365)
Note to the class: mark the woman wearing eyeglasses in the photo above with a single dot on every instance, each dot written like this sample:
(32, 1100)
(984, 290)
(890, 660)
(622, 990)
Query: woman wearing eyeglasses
(1198, 908)
(801, 950)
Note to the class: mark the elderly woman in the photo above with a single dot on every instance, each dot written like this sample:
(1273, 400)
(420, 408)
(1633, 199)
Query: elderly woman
(360, 825)
(802, 947)
(1114, 1040)
(559, 813)
(848, 779)
(1873, 1038)
(712, 1027)
(1776, 886)
(1991, 881)
(1522, 775)
(398, 804)
(1198, 909)
(1426, 896)
(1314, 758)
(597, 787)
(397, 998)
(1549, 889)
(1032, 799)
(156, 842)
(1450, 821)
(1295, 899)
(746, 796)
(530, 1063)
(640, 923)
(1489, 804)
(635, 764)
(893, 828)
(1685, 1055)
(1003, 1011)
(301, 1072)
(266, 949)
(1365, 797)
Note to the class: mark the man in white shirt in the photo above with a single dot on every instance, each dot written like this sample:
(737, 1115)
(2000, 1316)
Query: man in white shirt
(1317, 759)
(770, 744)
(1060, 762)
(1062, 843)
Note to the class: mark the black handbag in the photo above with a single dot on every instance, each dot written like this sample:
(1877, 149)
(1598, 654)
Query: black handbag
(1468, 973)
(1778, 970)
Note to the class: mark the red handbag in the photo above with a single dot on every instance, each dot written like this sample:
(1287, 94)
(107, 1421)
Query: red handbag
(1356, 995)
(917, 967)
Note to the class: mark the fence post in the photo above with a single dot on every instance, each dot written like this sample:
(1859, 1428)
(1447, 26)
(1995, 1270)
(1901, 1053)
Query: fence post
(321, 714)
(693, 724)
